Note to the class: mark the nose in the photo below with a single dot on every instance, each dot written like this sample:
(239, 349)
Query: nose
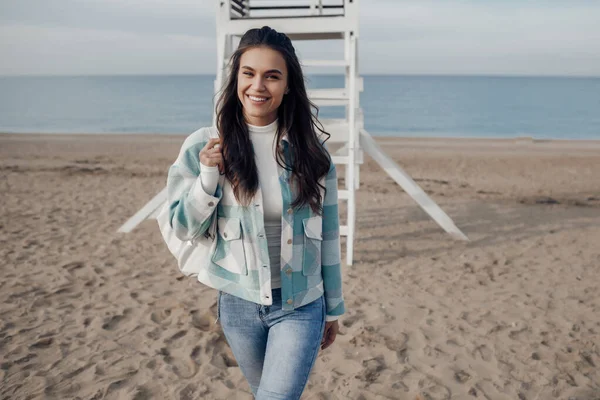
(258, 83)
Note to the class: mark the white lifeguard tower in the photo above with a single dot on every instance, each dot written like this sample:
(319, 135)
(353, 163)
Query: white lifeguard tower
(316, 20)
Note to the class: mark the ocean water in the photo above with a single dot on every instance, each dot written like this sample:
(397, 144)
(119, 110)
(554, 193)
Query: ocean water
(416, 106)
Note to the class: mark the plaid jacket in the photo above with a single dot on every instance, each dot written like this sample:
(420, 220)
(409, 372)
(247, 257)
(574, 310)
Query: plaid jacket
(310, 243)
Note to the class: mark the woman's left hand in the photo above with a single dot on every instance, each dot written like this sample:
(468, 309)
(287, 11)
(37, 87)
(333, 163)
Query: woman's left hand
(331, 330)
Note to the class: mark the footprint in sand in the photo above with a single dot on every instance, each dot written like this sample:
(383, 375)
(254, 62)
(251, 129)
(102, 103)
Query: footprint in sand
(483, 352)
(113, 322)
(72, 266)
(372, 370)
(515, 335)
(193, 391)
(42, 343)
(398, 345)
(350, 320)
(154, 334)
(176, 336)
(158, 317)
(181, 366)
(434, 390)
(141, 393)
(202, 322)
(195, 352)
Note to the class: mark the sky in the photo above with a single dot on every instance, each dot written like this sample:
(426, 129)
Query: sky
(440, 37)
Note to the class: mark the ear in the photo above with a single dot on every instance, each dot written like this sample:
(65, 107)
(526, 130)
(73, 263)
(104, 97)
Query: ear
(287, 90)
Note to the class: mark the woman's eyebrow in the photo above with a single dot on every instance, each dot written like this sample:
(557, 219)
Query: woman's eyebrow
(271, 71)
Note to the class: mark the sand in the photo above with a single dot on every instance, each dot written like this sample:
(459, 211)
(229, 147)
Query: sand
(514, 314)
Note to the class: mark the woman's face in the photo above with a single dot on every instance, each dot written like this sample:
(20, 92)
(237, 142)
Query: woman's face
(262, 83)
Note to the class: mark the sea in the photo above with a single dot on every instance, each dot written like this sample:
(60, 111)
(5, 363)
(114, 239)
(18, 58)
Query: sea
(393, 105)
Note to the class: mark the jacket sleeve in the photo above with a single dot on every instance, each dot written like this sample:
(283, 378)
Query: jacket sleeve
(330, 248)
(190, 207)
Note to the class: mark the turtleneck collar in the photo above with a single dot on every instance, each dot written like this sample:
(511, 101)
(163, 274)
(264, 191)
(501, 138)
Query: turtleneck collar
(271, 128)
(267, 129)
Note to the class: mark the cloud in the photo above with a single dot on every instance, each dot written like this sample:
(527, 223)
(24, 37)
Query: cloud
(396, 36)
(548, 38)
(59, 51)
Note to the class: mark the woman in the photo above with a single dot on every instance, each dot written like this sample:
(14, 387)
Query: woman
(276, 262)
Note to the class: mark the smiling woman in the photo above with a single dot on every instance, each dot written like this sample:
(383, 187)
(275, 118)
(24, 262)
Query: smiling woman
(276, 259)
(260, 86)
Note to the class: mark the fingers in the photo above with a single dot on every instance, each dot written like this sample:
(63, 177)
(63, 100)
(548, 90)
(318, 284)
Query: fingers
(211, 154)
(216, 149)
(216, 159)
(212, 142)
(329, 336)
(324, 338)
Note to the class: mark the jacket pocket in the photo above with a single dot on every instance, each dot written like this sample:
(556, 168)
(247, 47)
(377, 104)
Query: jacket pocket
(229, 253)
(313, 237)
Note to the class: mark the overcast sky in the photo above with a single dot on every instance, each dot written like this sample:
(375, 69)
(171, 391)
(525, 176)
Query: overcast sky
(497, 37)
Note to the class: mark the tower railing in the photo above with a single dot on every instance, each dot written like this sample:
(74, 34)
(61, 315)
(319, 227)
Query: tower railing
(248, 9)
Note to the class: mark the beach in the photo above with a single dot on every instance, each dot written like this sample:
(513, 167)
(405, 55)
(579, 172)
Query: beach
(514, 313)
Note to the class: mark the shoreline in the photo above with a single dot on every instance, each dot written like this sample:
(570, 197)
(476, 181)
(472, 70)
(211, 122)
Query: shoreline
(384, 139)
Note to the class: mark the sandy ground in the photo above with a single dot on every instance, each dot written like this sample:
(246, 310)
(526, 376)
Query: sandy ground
(513, 314)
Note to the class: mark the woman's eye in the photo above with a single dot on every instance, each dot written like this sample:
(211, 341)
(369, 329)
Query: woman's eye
(248, 73)
(273, 76)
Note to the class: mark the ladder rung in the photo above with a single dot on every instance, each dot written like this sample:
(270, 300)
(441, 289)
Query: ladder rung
(328, 94)
(325, 63)
(339, 128)
(340, 160)
(343, 194)
(345, 160)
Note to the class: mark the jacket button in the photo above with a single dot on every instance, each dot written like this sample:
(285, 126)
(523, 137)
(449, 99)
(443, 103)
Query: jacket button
(289, 211)
(288, 271)
(290, 301)
(224, 234)
(211, 204)
(289, 241)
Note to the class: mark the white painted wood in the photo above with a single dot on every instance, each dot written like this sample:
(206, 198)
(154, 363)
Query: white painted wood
(325, 63)
(343, 230)
(150, 210)
(337, 128)
(296, 28)
(352, 136)
(329, 97)
(410, 186)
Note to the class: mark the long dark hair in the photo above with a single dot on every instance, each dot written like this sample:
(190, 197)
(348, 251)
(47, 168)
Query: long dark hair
(310, 161)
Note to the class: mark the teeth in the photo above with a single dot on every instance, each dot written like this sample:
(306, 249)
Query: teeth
(258, 98)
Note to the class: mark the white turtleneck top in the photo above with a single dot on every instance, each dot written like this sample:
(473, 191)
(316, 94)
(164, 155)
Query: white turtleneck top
(263, 141)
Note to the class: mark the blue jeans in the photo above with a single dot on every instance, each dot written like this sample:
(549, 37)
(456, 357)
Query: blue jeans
(275, 349)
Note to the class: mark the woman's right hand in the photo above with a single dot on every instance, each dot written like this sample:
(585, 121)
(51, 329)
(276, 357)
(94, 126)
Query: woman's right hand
(211, 155)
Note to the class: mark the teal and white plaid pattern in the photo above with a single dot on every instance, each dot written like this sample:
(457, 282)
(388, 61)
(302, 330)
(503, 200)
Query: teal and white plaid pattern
(310, 243)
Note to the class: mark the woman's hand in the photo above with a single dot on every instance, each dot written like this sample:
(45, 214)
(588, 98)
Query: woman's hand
(212, 155)
(331, 330)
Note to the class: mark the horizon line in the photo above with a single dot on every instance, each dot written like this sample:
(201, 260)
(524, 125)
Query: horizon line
(448, 75)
